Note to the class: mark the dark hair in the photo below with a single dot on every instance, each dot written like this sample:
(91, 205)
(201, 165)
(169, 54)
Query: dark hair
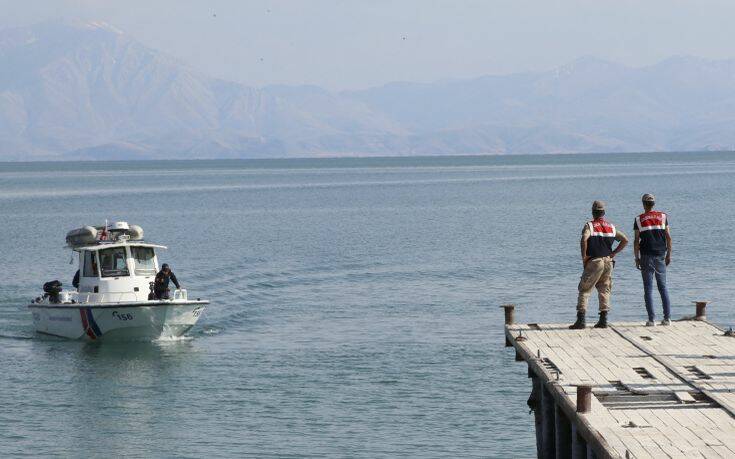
(598, 213)
(648, 204)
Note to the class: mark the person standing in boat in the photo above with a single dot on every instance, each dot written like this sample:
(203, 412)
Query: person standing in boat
(160, 287)
(598, 237)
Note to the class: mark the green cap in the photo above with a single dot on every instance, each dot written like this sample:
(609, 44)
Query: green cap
(598, 205)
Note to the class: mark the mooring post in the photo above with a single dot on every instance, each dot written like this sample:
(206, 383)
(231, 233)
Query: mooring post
(509, 309)
(701, 310)
(579, 444)
(563, 434)
(548, 435)
(584, 398)
(509, 319)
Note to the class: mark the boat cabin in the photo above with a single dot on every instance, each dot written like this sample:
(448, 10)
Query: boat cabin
(122, 270)
(115, 264)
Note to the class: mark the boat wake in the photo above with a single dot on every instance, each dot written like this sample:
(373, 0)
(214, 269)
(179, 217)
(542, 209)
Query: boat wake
(210, 330)
(17, 337)
(172, 339)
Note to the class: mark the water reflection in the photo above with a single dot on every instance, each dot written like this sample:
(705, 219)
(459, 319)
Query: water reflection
(119, 390)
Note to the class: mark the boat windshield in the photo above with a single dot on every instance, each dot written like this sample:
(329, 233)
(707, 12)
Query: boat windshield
(144, 262)
(113, 262)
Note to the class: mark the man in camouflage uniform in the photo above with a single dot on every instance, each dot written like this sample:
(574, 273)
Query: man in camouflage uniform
(598, 238)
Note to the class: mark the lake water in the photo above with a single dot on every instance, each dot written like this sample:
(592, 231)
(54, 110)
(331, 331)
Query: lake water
(355, 302)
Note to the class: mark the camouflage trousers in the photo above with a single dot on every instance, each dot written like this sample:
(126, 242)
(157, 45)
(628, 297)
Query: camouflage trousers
(597, 274)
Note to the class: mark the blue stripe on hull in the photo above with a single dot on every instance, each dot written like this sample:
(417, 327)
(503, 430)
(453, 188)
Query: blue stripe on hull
(92, 323)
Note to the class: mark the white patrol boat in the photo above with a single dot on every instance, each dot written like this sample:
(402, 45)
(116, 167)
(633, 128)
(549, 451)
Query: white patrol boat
(114, 299)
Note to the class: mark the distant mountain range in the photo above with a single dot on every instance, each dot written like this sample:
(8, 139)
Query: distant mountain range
(89, 91)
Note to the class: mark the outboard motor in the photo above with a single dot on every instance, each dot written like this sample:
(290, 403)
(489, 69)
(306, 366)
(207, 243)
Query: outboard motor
(52, 290)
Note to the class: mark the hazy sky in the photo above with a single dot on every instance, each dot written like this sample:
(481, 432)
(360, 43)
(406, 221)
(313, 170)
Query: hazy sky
(354, 44)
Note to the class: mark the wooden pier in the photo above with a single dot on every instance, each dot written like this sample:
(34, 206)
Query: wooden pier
(629, 391)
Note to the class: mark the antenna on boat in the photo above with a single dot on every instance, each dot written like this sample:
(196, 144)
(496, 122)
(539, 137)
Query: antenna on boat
(103, 235)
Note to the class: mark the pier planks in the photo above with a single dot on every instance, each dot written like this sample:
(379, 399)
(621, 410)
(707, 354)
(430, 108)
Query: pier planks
(657, 391)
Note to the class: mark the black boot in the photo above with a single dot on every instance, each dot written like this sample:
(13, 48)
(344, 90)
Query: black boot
(580, 323)
(602, 323)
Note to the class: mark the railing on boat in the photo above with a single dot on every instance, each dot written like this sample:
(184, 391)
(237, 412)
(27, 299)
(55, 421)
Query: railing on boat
(115, 297)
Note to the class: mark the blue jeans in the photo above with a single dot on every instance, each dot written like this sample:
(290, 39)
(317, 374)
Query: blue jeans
(655, 266)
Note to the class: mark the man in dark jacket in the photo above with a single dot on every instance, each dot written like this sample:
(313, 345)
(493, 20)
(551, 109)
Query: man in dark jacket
(163, 277)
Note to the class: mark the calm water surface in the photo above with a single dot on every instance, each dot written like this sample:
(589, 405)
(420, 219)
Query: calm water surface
(354, 302)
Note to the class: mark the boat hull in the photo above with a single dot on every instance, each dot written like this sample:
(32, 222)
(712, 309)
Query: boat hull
(132, 321)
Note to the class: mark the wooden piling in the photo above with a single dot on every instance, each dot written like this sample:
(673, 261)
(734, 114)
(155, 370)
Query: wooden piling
(509, 310)
(701, 311)
(563, 430)
(579, 444)
(509, 313)
(548, 424)
(537, 414)
(584, 398)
